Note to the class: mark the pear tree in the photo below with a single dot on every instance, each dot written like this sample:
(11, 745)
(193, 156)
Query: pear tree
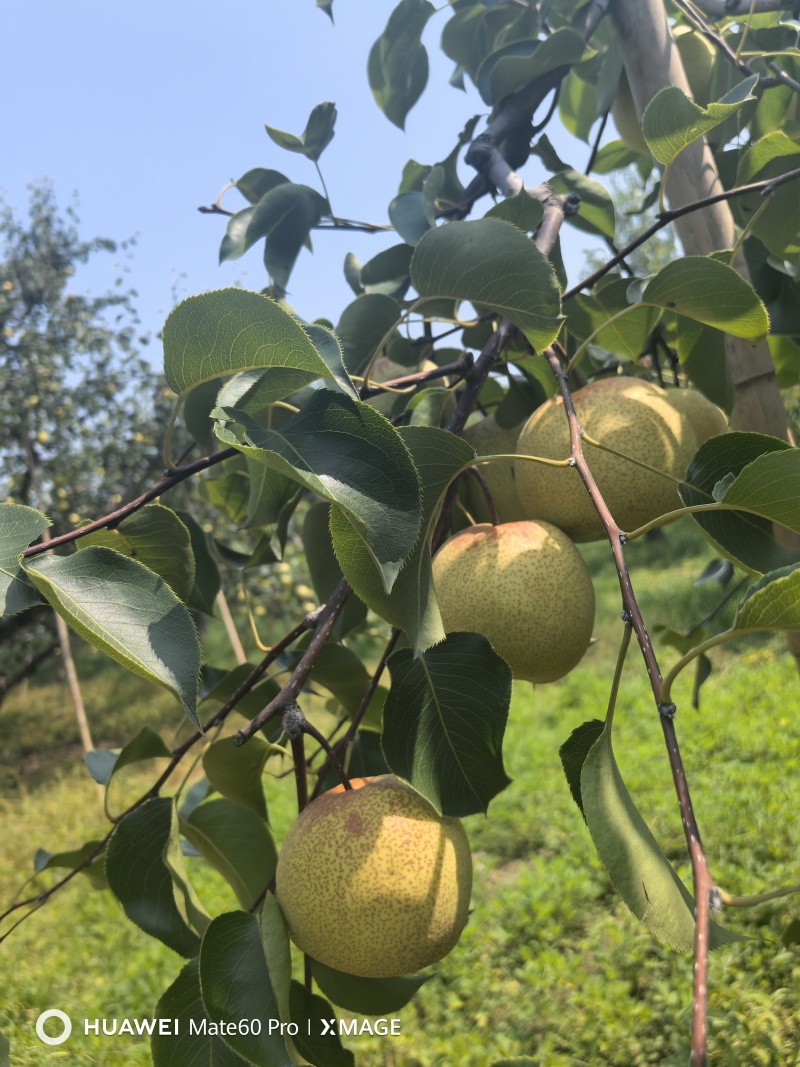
(441, 546)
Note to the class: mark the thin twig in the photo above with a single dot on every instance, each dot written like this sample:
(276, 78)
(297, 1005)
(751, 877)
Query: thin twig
(765, 187)
(352, 730)
(473, 472)
(325, 620)
(704, 889)
(167, 482)
(596, 145)
(459, 369)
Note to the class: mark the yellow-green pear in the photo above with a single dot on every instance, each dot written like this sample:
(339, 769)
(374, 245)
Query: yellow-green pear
(705, 418)
(625, 414)
(490, 439)
(373, 881)
(525, 587)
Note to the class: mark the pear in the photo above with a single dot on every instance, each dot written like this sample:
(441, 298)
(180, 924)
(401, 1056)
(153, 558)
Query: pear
(373, 881)
(488, 438)
(525, 587)
(626, 414)
(705, 418)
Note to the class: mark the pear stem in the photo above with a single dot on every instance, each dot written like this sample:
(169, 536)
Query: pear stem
(479, 478)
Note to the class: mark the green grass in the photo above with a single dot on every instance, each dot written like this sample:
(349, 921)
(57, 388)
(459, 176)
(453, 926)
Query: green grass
(551, 964)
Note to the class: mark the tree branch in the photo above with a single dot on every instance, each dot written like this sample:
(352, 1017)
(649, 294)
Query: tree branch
(704, 889)
(288, 695)
(765, 188)
(169, 480)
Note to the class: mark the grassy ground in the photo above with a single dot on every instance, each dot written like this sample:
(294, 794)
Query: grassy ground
(551, 964)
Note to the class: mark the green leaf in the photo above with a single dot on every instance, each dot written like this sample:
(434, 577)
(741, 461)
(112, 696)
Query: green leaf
(491, 264)
(339, 670)
(237, 844)
(291, 212)
(627, 335)
(701, 351)
(231, 330)
(366, 996)
(523, 211)
(397, 67)
(573, 755)
(388, 271)
(438, 455)
(363, 325)
(325, 570)
(772, 603)
(770, 157)
(444, 719)
(710, 292)
(19, 526)
(126, 611)
(350, 455)
(638, 869)
(228, 490)
(182, 1001)
(407, 215)
(785, 352)
(256, 183)
(5, 1051)
(236, 771)
(237, 983)
(577, 105)
(518, 63)
(203, 596)
(766, 481)
(255, 390)
(614, 156)
(308, 1012)
(146, 873)
(314, 139)
(671, 121)
(103, 763)
(95, 872)
(596, 210)
(221, 685)
(158, 539)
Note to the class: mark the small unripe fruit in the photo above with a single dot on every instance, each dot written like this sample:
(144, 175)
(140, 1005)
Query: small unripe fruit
(373, 881)
(625, 414)
(525, 587)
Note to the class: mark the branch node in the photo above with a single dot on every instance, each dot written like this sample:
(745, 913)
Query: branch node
(667, 710)
(293, 721)
(571, 204)
(626, 618)
(623, 540)
(714, 899)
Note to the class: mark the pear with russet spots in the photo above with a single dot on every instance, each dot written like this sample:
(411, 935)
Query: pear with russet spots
(373, 881)
(525, 587)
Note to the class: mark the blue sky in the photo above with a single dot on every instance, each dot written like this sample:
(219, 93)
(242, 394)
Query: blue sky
(146, 110)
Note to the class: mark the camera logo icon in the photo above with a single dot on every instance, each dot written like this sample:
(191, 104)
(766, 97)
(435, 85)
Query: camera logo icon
(53, 1013)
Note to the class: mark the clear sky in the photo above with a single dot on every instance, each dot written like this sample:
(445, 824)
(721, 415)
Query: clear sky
(146, 110)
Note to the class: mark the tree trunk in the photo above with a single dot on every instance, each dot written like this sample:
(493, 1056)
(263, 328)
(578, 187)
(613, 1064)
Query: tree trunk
(652, 62)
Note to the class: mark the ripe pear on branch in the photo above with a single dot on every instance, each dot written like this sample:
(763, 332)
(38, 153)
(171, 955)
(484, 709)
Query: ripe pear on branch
(652, 443)
(705, 418)
(525, 587)
(373, 881)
